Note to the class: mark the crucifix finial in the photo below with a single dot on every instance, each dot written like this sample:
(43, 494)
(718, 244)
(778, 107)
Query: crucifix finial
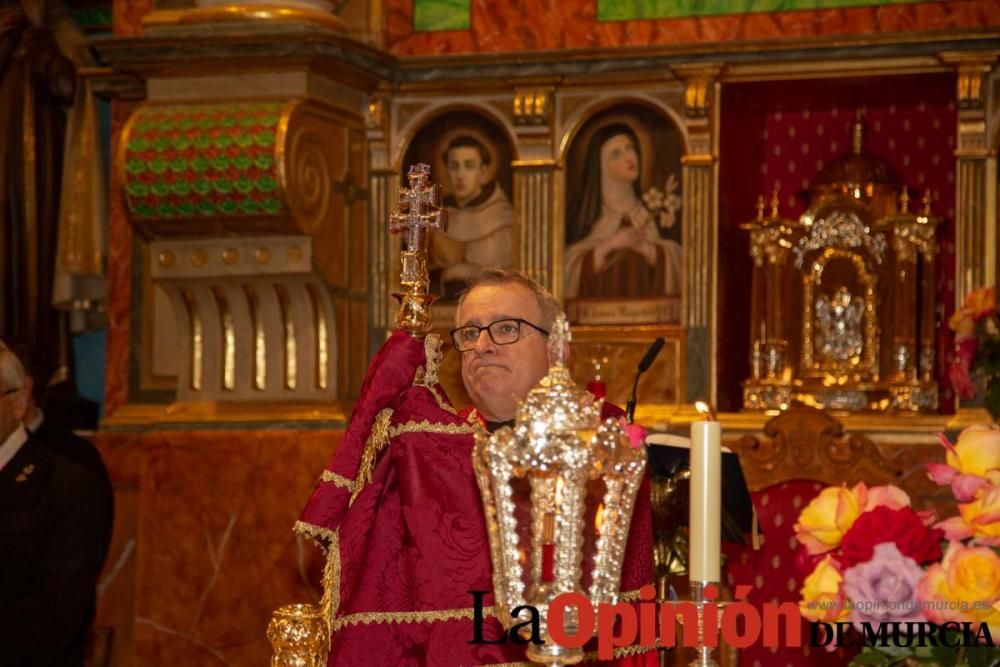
(417, 212)
(417, 207)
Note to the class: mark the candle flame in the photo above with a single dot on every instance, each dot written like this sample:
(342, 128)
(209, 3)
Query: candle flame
(705, 410)
(599, 518)
(559, 486)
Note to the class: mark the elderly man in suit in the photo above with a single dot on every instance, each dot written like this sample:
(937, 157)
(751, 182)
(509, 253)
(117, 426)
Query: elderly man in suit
(55, 527)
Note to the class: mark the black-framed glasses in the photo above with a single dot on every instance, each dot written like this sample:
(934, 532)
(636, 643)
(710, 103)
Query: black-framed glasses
(502, 332)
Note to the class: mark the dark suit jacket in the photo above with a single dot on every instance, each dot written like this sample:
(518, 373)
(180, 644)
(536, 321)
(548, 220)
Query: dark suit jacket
(55, 526)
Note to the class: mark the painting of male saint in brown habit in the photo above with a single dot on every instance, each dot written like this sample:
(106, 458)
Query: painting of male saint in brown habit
(622, 260)
(472, 166)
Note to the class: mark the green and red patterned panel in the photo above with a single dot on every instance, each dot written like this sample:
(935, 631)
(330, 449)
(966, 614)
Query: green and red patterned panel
(187, 162)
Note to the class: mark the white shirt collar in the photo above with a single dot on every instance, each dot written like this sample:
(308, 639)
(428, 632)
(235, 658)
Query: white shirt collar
(12, 444)
(36, 423)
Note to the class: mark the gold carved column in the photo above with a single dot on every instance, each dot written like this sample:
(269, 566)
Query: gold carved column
(535, 204)
(976, 235)
(382, 183)
(700, 225)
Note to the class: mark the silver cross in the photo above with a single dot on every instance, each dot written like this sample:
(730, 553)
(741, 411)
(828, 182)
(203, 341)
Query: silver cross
(417, 208)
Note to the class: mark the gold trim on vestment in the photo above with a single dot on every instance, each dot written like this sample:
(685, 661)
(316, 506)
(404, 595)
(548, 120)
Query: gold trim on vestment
(377, 440)
(428, 427)
(621, 652)
(330, 601)
(315, 532)
(440, 400)
(432, 616)
(337, 480)
(432, 353)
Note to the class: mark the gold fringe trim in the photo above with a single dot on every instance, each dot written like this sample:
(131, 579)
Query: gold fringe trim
(377, 440)
(384, 617)
(381, 618)
(624, 651)
(428, 376)
(428, 427)
(629, 596)
(337, 480)
(331, 587)
(317, 533)
(439, 399)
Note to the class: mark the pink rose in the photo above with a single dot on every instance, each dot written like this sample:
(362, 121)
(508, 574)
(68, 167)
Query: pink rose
(889, 496)
(973, 463)
(979, 519)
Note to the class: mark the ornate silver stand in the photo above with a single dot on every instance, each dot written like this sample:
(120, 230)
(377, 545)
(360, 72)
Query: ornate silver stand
(704, 653)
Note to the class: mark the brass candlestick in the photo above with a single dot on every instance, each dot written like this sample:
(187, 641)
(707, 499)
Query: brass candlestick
(299, 636)
(417, 212)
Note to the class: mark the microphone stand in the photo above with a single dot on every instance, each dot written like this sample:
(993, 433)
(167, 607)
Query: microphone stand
(647, 361)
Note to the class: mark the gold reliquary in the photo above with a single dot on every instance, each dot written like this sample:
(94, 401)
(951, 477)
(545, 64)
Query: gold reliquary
(843, 307)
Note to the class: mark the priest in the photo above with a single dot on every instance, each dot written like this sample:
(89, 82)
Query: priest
(398, 508)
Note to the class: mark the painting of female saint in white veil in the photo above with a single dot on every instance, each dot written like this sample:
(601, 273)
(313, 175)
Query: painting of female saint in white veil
(622, 261)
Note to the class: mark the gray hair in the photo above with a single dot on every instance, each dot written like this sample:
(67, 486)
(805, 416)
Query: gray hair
(547, 303)
(12, 375)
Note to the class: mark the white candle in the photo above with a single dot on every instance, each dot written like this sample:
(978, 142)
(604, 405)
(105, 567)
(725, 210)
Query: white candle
(706, 499)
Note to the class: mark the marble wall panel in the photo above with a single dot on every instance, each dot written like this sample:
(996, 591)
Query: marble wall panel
(209, 515)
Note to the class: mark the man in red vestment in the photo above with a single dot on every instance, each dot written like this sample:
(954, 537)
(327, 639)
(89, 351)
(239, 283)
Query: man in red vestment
(398, 508)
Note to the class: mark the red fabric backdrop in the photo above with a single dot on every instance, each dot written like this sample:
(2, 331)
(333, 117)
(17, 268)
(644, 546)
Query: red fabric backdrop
(781, 134)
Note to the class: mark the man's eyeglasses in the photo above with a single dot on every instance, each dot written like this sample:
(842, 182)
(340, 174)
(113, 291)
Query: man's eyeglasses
(502, 332)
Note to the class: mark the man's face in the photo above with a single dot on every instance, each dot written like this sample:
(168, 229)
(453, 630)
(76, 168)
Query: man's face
(497, 376)
(13, 402)
(467, 172)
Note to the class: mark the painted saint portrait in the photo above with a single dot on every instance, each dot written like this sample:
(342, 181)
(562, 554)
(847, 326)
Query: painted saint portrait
(470, 159)
(623, 213)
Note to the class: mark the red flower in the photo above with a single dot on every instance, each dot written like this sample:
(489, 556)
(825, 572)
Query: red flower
(902, 527)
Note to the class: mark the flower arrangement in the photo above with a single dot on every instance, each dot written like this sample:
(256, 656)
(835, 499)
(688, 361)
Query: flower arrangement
(977, 348)
(872, 559)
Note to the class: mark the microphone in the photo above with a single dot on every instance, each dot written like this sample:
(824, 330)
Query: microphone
(647, 361)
